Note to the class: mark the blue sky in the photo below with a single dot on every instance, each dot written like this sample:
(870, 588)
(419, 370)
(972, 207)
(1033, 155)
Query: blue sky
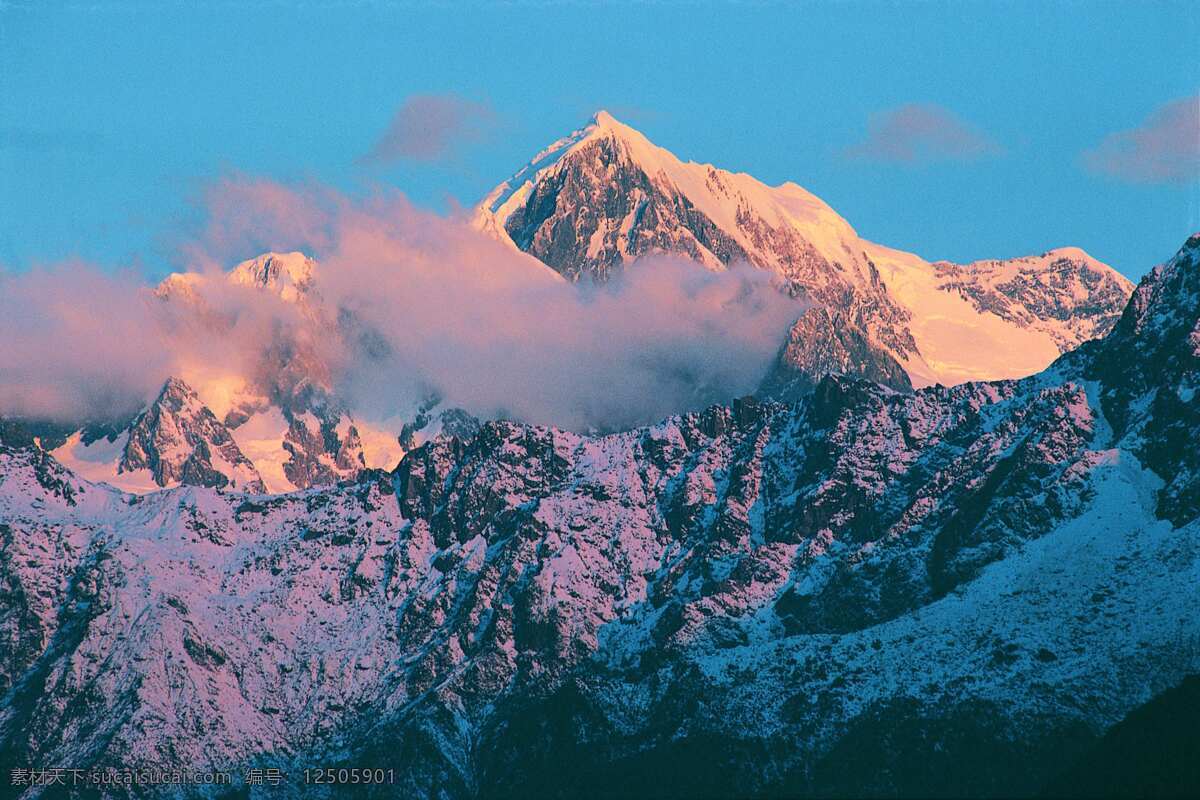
(113, 116)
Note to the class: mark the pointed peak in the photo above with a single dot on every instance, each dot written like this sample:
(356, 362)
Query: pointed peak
(1170, 291)
(272, 255)
(604, 124)
(271, 264)
(1073, 253)
(1186, 260)
(175, 393)
(604, 119)
(175, 386)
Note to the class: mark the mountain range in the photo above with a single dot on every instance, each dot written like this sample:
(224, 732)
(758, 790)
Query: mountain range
(588, 207)
(949, 548)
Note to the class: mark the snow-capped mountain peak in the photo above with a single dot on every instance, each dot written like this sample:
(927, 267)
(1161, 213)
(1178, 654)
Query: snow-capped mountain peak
(289, 274)
(175, 440)
(496, 208)
(666, 204)
(596, 200)
(1064, 292)
(179, 440)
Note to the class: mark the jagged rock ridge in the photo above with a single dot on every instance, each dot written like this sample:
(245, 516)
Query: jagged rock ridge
(175, 439)
(867, 592)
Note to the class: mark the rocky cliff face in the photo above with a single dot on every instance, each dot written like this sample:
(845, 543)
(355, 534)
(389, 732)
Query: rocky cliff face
(951, 591)
(319, 457)
(1150, 367)
(180, 441)
(823, 342)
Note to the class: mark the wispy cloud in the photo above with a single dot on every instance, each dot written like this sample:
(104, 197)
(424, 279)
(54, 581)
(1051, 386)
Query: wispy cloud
(922, 133)
(407, 304)
(1163, 149)
(78, 343)
(431, 127)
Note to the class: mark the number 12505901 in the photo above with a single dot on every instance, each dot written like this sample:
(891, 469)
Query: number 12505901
(350, 776)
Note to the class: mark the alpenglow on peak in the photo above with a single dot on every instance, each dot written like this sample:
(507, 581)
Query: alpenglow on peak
(595, 201)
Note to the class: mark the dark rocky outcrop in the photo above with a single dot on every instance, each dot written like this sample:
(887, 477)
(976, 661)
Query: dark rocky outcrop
(953, 591)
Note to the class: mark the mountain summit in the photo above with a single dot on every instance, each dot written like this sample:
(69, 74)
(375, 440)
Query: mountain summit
(596, 200)
(606, 194)
(175, 440)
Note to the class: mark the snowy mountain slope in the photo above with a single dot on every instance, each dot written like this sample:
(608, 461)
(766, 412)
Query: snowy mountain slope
(1065, 292)
(595, 200)
(290, 275)
(823, 342)
(987, 691)
(951, 591)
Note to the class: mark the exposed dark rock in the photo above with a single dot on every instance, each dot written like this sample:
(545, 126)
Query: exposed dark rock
(824, 342)
(953, 591)
(180, 441)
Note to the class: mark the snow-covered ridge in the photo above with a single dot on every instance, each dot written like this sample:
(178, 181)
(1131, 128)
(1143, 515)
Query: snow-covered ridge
(950, 576)
(594, 201)
(175, 440)
(1064, 292)
(289, 275)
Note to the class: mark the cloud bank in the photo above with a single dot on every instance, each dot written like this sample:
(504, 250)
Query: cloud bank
(78, 344)
(1165, 148)
(430, 128)
(407, 305)
(921, 133)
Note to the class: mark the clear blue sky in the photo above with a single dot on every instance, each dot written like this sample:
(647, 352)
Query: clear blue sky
(114, 114)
